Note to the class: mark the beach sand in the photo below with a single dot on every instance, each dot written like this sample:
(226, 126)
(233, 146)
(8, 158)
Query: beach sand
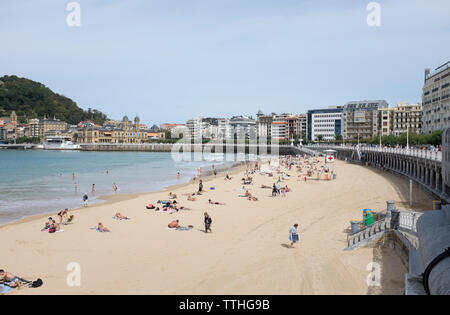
(246, 253)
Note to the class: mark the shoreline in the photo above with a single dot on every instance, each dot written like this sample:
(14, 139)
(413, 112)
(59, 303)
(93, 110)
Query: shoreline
(111, 199)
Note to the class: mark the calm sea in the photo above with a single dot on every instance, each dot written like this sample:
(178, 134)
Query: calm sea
(39, 181)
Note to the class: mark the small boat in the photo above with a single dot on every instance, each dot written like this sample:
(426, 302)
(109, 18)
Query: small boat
(60, 143)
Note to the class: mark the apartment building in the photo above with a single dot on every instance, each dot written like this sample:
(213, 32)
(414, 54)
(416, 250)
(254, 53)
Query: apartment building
(360, 119)
(406, 117)
(436, 99)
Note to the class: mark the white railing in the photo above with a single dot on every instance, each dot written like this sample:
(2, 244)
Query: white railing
(425, 154)
(408, 220)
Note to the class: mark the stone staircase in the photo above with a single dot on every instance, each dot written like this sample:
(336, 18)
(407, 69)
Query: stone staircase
(402, 221)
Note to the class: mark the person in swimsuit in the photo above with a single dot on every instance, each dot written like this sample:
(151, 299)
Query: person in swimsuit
(62, 214)
(174, 224)
(208, 221)
(119, 215)
(8, 279)
(101, 228)
(215, 202)
(47, 224)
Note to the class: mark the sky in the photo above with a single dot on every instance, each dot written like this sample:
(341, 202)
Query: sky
(171, 60)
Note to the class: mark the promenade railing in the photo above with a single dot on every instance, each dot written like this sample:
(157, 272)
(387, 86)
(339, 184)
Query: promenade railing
(425, 154)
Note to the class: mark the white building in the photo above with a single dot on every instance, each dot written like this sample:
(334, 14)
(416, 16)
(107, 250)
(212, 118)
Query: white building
(243, 126)
(324, 122)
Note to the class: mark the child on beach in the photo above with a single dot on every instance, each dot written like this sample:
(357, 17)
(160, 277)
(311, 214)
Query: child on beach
(85, 199)
(293, 236)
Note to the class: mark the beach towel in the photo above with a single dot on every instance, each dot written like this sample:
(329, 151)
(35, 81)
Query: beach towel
(184, 228)
(5, 289)
(120, 219)
(98, 230)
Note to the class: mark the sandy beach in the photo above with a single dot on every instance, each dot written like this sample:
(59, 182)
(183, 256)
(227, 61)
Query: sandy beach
(246, 253)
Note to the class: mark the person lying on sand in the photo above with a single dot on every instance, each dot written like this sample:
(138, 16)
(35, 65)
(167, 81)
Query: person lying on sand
(252, 198)
(190, 198)
(265, 186)
(176, 208)
(102, 228)
(8, 279)
(174, 224)
(119, 216)
(172, 196)
(215, 202)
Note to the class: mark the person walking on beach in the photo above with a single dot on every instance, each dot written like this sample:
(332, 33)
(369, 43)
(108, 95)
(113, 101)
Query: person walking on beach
(200, 186)
(293, 235)
(208, 222)
(85, 199)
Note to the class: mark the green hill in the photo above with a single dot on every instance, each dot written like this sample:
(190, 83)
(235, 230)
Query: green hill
(32, 99)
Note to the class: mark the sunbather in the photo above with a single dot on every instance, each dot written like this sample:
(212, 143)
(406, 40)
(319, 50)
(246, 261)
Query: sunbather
(119, 216)
(216, 202)
(8, 279)
(174, 224)
(102, 228)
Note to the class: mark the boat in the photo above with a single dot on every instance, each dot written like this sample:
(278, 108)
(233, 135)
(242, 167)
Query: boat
(60, 143)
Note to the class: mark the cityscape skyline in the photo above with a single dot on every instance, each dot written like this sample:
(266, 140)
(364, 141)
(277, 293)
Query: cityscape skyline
(225, 58)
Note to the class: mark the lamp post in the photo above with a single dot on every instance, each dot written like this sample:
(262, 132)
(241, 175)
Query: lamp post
(407, 131)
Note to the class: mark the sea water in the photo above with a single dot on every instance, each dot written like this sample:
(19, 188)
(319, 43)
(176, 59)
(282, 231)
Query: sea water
(41, 181)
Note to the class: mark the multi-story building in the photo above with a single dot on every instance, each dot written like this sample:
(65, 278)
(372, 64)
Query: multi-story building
(224, 131)
(302, 125)
(50, 126)
(360, 119)
(406, 117)
(33, 128)
(194, 128)
(176, 130)
(124, 132)
(436, 99)
(243, 127)
(325, 123)
(280, 127)
(264, 125)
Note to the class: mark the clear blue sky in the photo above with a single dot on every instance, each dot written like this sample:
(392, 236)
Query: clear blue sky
(170, 60)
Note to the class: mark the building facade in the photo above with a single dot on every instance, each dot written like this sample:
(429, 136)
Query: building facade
(436, 99)
(324, 123)
(406, 117)
(360, 119)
